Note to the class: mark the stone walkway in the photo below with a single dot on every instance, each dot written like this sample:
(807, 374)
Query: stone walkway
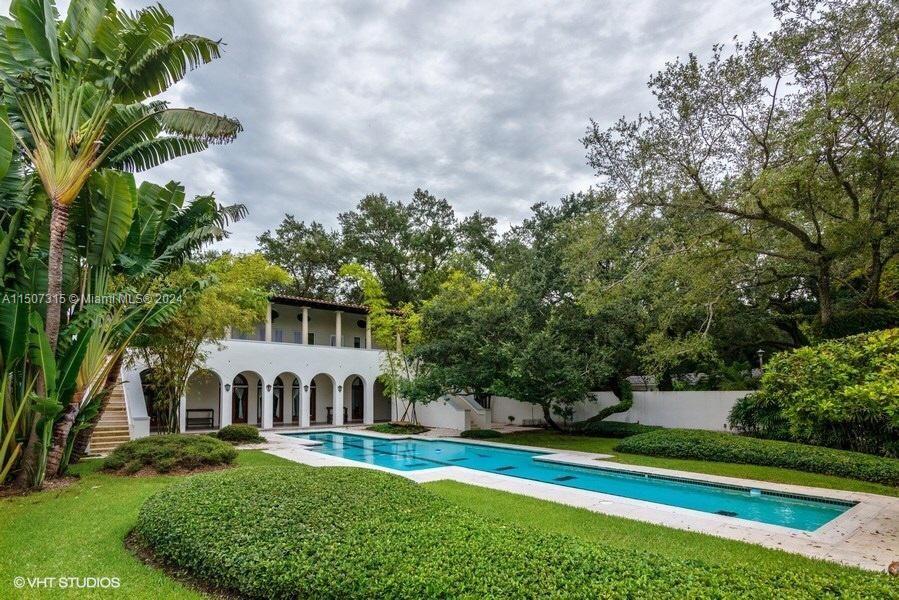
(866, 535)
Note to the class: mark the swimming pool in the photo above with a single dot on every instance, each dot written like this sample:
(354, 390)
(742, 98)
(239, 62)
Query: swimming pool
(776, 508)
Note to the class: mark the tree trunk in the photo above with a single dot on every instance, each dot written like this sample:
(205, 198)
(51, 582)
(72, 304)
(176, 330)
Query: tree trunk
(547, 416)
(825, 301)
(84, 436)
(61, 431)
(875, 272)
(59, 223)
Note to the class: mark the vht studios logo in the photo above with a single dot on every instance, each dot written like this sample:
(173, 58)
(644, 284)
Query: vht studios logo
(65, 583)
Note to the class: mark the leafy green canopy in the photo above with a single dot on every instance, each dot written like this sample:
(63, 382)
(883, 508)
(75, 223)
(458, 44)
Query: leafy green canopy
(782, 151)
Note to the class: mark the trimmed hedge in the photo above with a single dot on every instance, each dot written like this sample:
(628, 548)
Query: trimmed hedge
(285, 532)
(726, 447)
(399, 428)
(481, 434)
(240, 434)
(611, 429)
(174, 452)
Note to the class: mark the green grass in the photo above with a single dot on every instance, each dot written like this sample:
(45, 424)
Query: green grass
(99, 511)
(623, 534)
(547, 439)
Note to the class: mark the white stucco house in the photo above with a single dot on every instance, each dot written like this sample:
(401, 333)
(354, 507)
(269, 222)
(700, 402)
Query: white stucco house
(313, 363)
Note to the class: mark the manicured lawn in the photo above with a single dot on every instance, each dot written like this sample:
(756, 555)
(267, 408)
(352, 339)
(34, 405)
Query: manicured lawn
(623, 534)
(99, 511)
(546, 439)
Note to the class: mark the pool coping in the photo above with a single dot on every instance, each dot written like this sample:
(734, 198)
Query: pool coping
(866, 535)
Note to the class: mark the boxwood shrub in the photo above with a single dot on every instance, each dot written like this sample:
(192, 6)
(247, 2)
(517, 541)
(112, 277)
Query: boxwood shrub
(174, 452)
(726, 447)
(299, 532)
(481, 434)
(240, 434)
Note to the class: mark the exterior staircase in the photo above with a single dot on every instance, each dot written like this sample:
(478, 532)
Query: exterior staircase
(112, 429)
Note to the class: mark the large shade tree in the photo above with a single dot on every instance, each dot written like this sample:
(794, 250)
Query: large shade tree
(789, 140)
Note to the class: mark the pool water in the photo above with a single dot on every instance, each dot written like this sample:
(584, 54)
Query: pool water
(797, 512)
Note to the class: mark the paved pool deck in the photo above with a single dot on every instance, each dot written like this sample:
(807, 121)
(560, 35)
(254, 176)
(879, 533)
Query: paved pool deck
(865, 536)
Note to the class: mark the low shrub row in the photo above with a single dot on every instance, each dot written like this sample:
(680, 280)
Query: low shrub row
(356, 533)
(165, 453)
(611, 429)
(399, 428)
(481, 434)
(240, 434)
(725, 447)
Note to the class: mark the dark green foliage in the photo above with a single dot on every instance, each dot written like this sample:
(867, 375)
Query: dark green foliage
(860, 320)
(840, 393)
(611, 429)
(725, 447)
(399, 428)
(481, 434)
(173, 452)
(355, 533)
(240, 434)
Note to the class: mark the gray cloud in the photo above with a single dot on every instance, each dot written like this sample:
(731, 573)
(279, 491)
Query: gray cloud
(482, 102)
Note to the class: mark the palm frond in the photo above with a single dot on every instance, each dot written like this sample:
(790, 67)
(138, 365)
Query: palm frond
(200, 125)
(151, 153)
(165, 65)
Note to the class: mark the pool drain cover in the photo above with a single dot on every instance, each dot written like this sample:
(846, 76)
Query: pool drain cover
(726, 513)
(508, 468)
(457, 459)
(565, 478)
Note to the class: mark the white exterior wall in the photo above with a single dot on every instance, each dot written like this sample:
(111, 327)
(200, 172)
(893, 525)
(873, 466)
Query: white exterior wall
(270, 359)
(440, 413)
(689, 410)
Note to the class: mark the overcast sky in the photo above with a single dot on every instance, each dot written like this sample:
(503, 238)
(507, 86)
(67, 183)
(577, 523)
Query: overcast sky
(480, 102)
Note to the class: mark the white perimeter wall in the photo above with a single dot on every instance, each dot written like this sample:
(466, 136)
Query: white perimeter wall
(689, 410)
(440, 413)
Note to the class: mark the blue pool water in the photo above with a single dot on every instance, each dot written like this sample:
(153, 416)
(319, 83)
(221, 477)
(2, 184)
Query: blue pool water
(805, 513)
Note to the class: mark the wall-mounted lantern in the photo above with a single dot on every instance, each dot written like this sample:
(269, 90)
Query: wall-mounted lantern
(227, 387)
(339, 388)
(268, 388)
(305, 388)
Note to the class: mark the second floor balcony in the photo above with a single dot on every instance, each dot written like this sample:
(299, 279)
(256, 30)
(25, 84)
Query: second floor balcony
(306, 321)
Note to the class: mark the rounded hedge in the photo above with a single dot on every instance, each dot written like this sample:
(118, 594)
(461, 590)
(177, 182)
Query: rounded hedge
(173, 452)
(481, 434)
(300, 532)
(240, 434)
(727, 447)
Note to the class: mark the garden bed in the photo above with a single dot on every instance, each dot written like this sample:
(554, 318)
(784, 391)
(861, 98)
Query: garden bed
(398, 428)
